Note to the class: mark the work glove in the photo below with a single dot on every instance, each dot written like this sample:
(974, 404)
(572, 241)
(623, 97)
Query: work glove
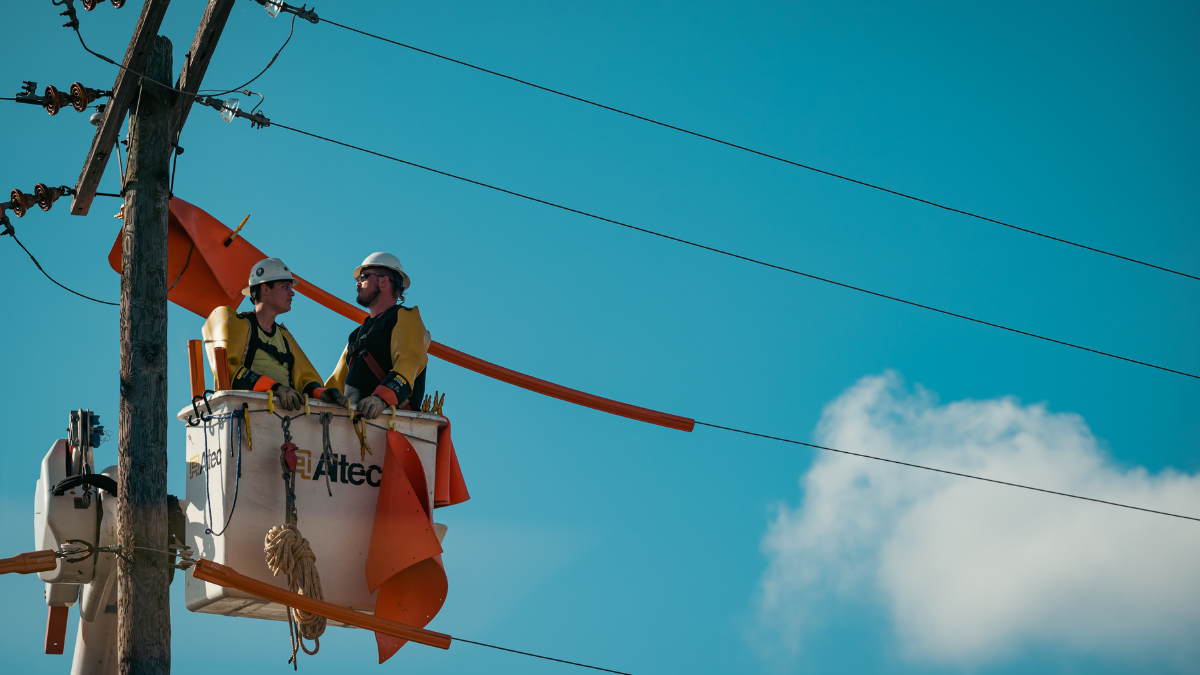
(289, 399)
(370, 407)
(334, 395)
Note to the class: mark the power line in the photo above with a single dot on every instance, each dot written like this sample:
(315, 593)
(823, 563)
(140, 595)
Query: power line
(269, 63)
(738, 256)
(761, 153)
(539, 656)
(952, 473)
(8, 229)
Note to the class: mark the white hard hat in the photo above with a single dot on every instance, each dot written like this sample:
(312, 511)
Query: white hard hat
(381, 259)
(271, 269)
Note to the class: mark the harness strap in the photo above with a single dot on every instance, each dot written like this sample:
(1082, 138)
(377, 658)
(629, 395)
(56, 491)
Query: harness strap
(255, 343)
(374, 366)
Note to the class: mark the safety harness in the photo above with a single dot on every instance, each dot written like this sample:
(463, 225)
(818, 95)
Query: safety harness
(255, 343)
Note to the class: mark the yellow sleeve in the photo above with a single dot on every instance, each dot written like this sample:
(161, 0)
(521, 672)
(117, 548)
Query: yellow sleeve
(224, 328)
(338, 378)
(409, 355)
(304, 375)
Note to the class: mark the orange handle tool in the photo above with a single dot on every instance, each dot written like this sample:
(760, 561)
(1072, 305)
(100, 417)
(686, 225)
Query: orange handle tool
(196, 366)
(215, 573)
(28, 563)
(221, 376)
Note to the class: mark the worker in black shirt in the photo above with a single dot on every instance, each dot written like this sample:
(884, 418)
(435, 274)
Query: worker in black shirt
(384, 360)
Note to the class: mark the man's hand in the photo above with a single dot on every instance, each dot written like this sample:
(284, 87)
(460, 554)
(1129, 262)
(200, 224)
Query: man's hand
(334, 395)
(289, 399)
(370, 407)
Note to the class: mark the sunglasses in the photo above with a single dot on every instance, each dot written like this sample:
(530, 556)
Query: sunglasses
(363, 277)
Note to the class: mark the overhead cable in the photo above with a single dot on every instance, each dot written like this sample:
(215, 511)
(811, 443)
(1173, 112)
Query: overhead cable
(8, 229)
(539, 656)
(269, 63)
(761, 153)
(738, 256)
(952, 473)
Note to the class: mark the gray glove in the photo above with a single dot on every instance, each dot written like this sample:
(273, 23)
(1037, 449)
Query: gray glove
(334, 395)
(289, 399)
(370, 407)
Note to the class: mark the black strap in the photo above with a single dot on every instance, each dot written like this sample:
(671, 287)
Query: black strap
(254, 344)
(98, 479)
(374, 366)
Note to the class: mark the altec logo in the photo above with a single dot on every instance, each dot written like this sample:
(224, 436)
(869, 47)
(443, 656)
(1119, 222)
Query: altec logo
(338, 468)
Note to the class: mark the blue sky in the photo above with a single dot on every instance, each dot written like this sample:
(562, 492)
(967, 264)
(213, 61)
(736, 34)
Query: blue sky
(602, 540)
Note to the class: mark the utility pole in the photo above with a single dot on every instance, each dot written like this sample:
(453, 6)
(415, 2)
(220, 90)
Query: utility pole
(143, 605)
(157, 115)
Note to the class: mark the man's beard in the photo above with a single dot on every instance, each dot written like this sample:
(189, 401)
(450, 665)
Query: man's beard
(365, 298)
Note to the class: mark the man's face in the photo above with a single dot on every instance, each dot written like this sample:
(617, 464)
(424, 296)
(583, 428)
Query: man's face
(278, 298)
(371, 282)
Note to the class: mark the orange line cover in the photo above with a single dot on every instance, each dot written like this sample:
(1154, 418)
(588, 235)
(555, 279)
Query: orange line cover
(207, 570)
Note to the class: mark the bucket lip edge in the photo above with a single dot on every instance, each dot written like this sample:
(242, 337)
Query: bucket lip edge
(224, 396)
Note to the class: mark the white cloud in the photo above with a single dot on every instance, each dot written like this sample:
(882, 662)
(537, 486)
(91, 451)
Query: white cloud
(970, 572)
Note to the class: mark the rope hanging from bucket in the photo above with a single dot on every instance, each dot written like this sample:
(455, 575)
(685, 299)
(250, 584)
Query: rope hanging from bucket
(289, 552)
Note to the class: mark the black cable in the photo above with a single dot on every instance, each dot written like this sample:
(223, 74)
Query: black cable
(9, 231)
(759, 152)
(174, 165)
(269, 63)
(952, 473)
(539, 656)
(122, 67)
(735, 255)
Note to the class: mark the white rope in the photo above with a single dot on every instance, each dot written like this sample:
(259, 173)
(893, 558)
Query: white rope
(288, 552)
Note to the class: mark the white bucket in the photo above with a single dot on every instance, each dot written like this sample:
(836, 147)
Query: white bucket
(338, 528)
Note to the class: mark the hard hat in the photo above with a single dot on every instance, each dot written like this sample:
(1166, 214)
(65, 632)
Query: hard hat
(381, 259)
(270, 269)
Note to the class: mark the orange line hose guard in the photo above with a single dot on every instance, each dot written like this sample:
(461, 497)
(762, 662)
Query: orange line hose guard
(207, 570)
(478, 365)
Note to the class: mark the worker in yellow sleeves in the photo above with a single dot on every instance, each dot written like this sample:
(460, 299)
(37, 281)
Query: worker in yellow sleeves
(384, 360)
(262, 355)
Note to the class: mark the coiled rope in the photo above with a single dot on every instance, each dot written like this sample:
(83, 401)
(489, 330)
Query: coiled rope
(289, 552)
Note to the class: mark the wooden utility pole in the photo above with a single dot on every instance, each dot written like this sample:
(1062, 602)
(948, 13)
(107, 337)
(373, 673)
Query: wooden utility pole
(157, 116)
(143, 601)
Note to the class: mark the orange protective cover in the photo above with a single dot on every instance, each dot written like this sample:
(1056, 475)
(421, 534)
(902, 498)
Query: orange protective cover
(404, 559)
(450, 488)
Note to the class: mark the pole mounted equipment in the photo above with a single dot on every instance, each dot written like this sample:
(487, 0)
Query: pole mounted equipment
(53, 100)
(46, 196)
(69, 12)
(231, 110)
(89, 5)
(274, 7)
(43, 196)
(21, 202)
